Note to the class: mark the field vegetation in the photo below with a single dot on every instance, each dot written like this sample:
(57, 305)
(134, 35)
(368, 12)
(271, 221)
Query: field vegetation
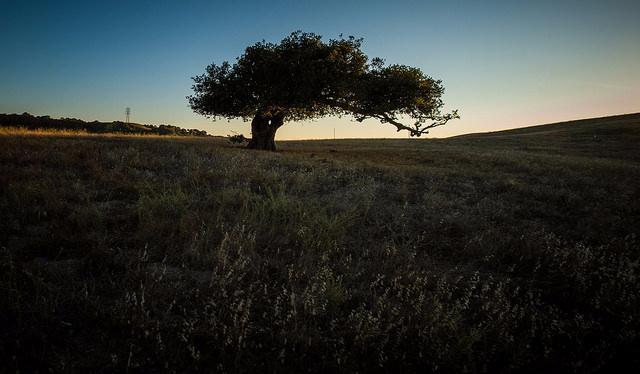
(66, 125)
(513, 251)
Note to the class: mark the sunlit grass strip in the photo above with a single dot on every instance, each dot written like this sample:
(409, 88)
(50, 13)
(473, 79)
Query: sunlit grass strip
(22, 131)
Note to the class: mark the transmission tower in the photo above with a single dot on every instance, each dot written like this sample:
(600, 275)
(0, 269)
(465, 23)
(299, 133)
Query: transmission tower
(127, 113)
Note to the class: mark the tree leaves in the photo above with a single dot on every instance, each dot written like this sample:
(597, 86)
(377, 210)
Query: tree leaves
(303, 77)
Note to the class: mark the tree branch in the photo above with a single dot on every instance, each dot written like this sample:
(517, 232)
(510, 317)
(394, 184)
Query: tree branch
(419, 128)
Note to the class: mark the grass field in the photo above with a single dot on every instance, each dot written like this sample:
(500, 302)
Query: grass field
(513, 251)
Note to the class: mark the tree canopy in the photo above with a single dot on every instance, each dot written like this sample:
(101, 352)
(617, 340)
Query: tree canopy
(304, 77)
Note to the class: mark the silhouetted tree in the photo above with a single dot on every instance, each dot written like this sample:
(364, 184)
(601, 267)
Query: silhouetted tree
(304, 77)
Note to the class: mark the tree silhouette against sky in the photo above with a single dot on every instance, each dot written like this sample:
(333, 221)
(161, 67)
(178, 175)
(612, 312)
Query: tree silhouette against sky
(304, 78)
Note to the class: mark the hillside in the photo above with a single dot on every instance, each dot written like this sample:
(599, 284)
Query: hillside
(614, 136)
(515, 251)
(619, 125)
(606, 136)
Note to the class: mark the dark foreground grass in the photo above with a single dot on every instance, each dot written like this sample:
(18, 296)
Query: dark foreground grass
(492, 253)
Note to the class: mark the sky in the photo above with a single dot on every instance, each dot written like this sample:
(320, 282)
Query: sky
(504, 64)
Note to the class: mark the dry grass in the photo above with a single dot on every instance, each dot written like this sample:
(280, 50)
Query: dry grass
(49, 132)
(21, 131)
(463, 255)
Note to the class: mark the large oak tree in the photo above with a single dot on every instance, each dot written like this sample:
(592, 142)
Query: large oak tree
(304, 77)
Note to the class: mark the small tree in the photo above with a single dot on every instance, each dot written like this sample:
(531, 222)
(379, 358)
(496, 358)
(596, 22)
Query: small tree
(303, 77)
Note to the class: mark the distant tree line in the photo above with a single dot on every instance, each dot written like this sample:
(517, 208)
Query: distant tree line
(29, 121)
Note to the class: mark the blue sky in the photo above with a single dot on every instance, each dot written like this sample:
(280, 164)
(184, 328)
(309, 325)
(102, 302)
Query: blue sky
(504, 64)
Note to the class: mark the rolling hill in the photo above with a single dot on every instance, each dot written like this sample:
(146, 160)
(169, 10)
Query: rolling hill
(616, 126)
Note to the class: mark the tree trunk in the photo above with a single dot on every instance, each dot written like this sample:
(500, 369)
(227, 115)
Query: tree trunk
(263, 131)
